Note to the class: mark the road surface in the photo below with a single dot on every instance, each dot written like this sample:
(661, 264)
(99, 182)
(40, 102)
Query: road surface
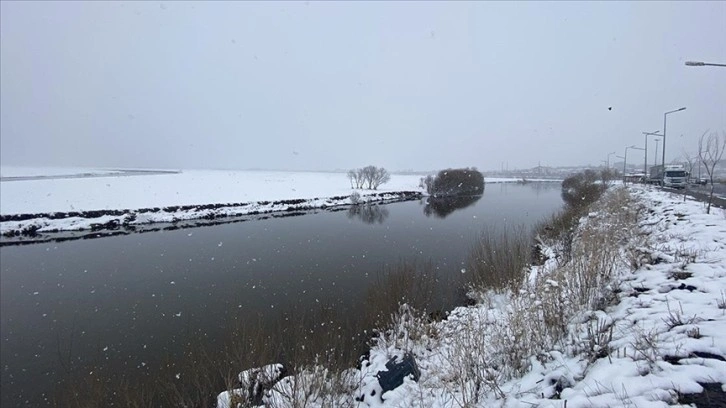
(701, 193)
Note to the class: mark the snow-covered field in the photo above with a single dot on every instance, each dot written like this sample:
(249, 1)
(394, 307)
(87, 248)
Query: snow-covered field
(661, 333)
(232, 192)
(185, 188)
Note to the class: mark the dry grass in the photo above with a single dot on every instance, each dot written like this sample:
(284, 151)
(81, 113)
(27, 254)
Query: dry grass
(414, 284)
(537, 316)
(499, 258)
(676, 317)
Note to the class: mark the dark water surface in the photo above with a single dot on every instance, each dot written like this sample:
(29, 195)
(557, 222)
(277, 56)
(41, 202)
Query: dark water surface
(126, 302)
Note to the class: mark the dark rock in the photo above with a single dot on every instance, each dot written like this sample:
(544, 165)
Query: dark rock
(30, 231)
(672, 360)
(129, 218)
(397, 371)
(110, 225)
(713, 395)
(704, 354)
(689, 288)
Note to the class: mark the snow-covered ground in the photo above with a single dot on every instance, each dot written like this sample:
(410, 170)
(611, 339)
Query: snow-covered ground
(232, 193)
(660, 335)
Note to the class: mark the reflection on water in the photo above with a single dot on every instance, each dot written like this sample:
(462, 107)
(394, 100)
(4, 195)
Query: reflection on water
(537, 187)
(440, 207)
(368, 213)
(540, 187)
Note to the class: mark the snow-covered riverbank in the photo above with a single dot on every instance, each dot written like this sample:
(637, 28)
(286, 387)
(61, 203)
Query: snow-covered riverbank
(102, 201)
(651, 333)
(51, 200)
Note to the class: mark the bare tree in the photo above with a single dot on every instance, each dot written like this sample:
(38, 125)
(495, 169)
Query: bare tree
(356, 178)
(360, 178)
(380, 176)
(370, 177)
(689, 160)
(607, 176)
(710, 151)
(352, 177)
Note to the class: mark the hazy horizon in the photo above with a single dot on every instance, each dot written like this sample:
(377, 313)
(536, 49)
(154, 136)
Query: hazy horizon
(326, 86)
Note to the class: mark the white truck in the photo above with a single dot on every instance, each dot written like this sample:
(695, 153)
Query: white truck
(675, 176)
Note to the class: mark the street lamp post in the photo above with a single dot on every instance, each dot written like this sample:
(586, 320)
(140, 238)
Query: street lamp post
(655, 158)
(625, 163)
(701, 64)
(608, 161)
(621, 157)
(646, 134)
(665, 116)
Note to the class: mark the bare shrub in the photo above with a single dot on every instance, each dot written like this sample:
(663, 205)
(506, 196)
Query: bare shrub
(645, 349)
(676, 317)
(599, 336)
(355, 198)
(470, 369)
(405, 328)
(597, 256)
(582, 189)
(316, 386)
(559, 228)
(694, 333)
(710, 152)
(454, 182)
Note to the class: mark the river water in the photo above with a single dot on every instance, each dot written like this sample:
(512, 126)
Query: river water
(130, 304)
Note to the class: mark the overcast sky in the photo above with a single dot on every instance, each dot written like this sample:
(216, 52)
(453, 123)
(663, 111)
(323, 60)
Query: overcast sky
(313, 86)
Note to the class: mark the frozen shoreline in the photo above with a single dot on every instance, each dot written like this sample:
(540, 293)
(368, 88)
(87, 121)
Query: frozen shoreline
(38, 201)
(58, 226)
